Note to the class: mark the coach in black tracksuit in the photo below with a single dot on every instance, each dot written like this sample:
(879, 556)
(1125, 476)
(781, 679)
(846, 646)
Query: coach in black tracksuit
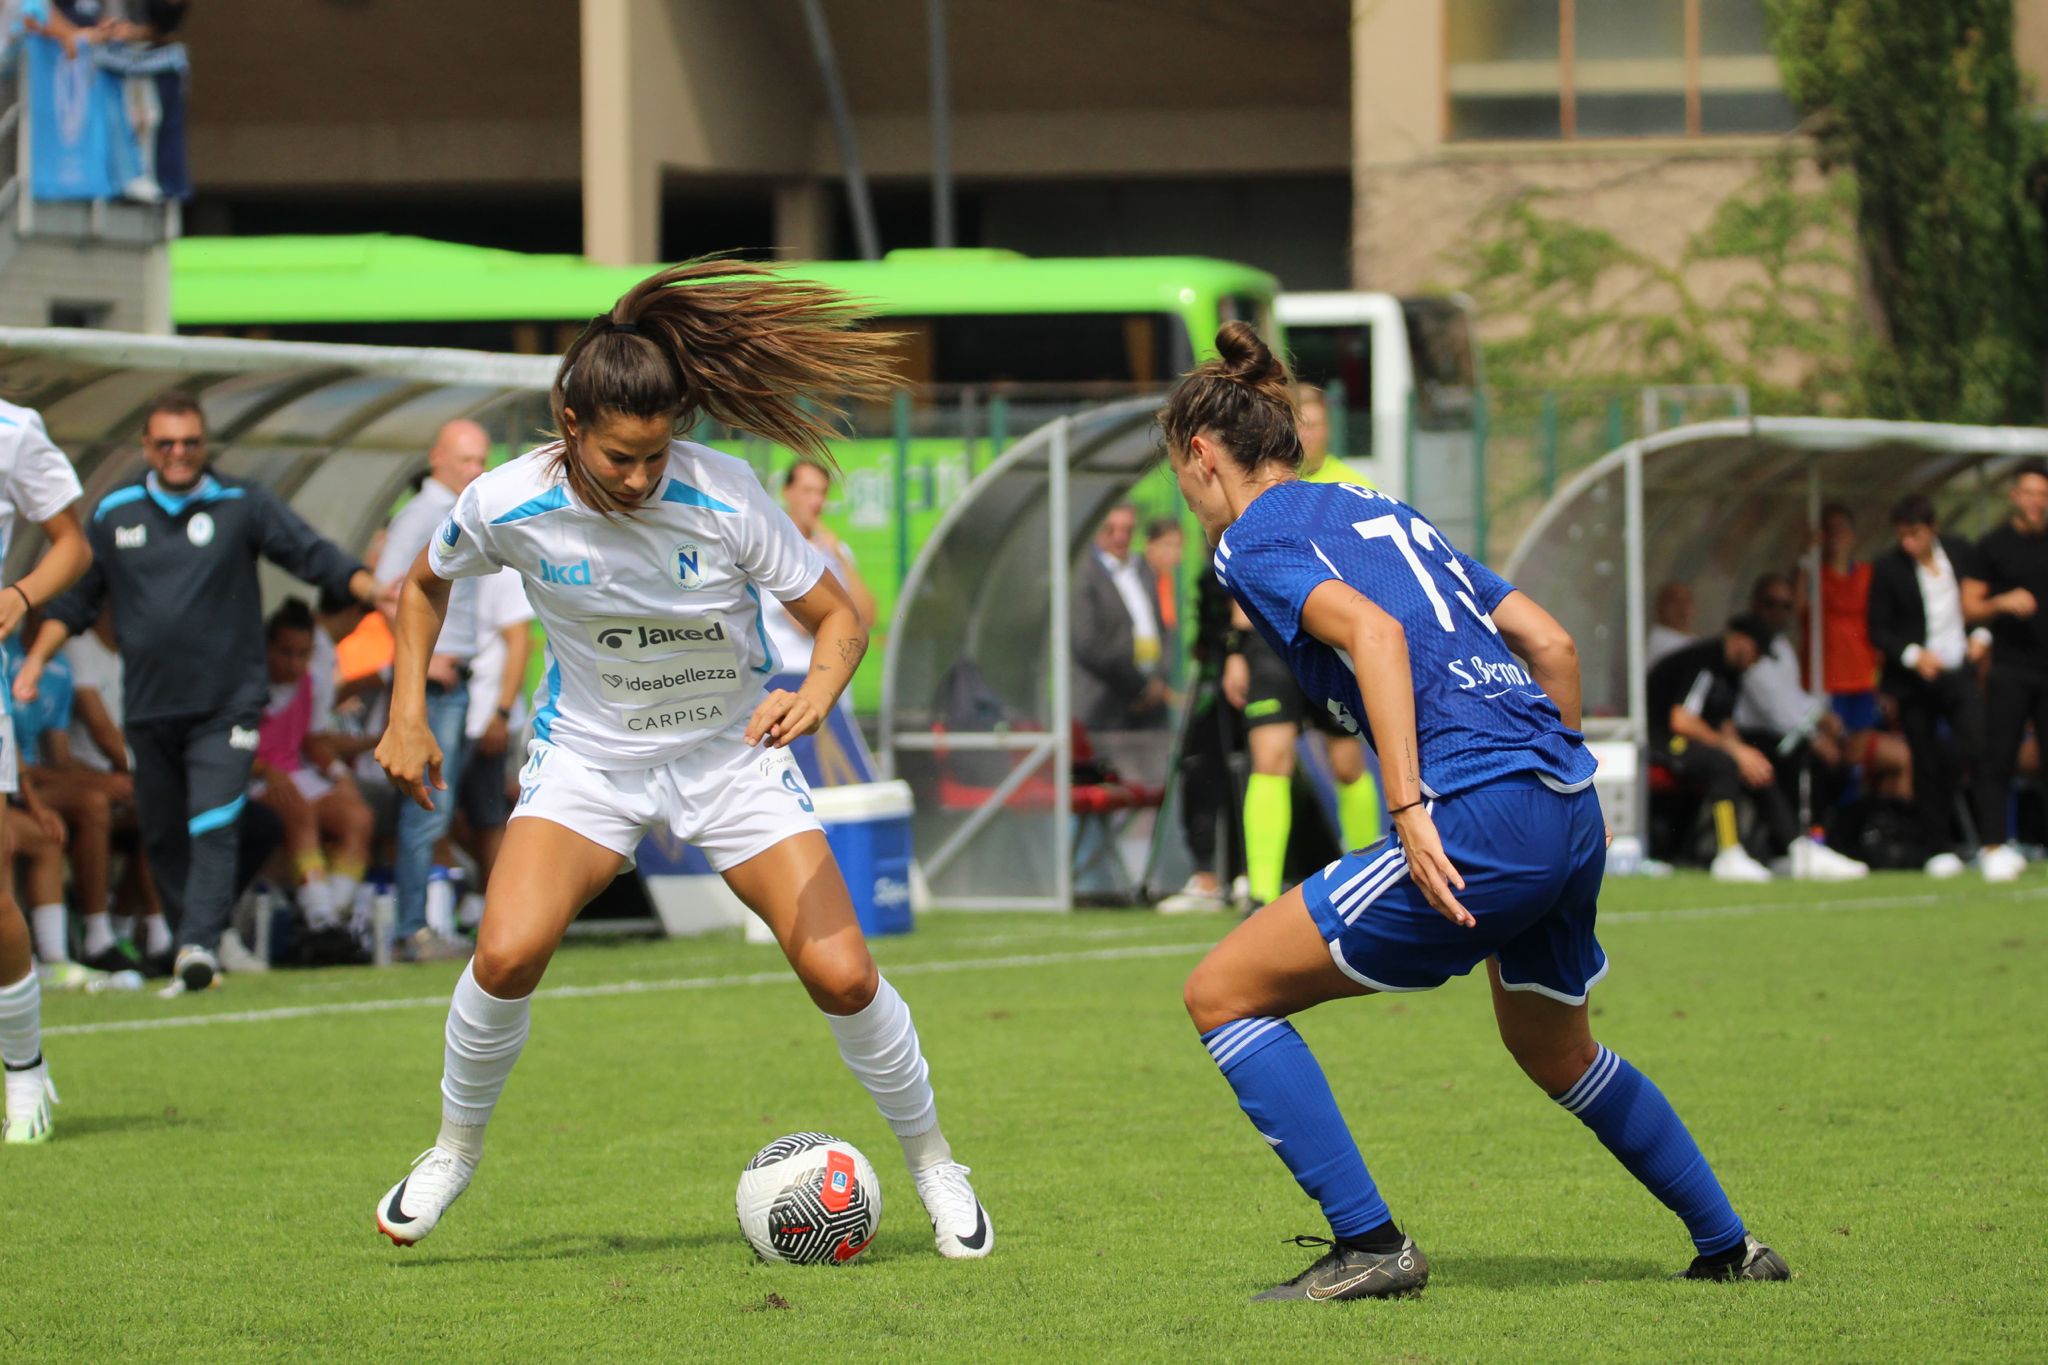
(1915, 615)
(2007, 591)
(176, 552)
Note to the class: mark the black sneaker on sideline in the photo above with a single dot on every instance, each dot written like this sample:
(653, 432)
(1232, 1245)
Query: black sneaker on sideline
(156, 966)
(1757, 1262)
(112, 959)
(1344, 1273)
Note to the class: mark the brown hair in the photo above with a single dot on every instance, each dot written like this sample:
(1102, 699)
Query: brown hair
(1244, 397)
(726, 339)
(174, 403)
(802, 463)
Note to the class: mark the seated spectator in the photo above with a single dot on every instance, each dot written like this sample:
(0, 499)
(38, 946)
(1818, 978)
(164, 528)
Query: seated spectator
(1692, 697)
(1118, 678)
(95, 749)
(1673, 628)
(1917, 625)
(35, 838)
(327, 826)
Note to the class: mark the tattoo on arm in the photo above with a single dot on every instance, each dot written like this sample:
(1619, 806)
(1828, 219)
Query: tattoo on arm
(850, 652)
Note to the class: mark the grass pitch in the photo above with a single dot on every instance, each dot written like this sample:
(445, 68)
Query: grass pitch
(1866, 1066)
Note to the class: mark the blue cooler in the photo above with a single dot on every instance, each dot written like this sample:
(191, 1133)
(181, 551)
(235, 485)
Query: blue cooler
(868, 826)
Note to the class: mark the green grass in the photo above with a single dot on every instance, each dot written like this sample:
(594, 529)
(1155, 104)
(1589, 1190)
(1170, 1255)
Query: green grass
(1864, 1065)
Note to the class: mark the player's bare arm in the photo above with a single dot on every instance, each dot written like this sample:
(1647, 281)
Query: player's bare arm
(408, 751)
(829, 614)
(1546, 647)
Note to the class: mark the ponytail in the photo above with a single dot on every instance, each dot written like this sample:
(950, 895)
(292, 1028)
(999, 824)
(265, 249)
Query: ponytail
(1244, 398)
(730, 340)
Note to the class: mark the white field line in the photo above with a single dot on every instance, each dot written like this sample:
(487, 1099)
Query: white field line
(1012, 962)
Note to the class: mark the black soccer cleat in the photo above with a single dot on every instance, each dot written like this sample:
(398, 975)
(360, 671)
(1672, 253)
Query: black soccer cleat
(1757, 1262)
(1347, 1273)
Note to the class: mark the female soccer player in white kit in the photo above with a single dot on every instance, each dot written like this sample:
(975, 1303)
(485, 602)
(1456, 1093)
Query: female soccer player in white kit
(646, 559)
(38, 483)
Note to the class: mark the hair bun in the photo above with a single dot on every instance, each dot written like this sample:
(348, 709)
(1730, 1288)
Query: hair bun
(1246, 357)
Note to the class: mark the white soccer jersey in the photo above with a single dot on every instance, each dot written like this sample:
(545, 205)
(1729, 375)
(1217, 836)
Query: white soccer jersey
(655, 637)
(36, 480)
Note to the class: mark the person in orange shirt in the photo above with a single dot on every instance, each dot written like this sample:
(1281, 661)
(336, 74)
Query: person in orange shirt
(1850, 662)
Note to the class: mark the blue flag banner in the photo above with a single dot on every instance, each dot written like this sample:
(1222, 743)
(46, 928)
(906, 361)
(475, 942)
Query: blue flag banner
(75, 116)
(153, 99)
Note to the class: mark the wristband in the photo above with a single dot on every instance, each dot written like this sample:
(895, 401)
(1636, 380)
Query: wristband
(26, 605)
(505, 714)
(1410, 806)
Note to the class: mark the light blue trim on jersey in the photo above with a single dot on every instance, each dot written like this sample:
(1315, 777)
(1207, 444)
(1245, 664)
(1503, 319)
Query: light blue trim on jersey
(209, 490)
(773, 664)
(678, 491)
(120, 497)
(554, 500)
(544, 715)
(218, 818)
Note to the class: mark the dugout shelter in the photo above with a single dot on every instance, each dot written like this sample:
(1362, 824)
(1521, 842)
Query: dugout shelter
(1714, 505)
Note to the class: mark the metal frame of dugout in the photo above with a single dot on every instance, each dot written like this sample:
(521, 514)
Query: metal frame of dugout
(990, 590)
(1715, 504)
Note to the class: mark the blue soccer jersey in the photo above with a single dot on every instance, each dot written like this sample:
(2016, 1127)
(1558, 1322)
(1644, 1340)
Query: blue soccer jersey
(1479, 715)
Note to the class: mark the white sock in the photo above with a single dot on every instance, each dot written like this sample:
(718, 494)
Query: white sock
(99, 933)
(316, 903)
(485, 1035)
(879, 1045)
(53, 944)
(21, 1021)
(342, 891)
(157, 936)
(470, 913)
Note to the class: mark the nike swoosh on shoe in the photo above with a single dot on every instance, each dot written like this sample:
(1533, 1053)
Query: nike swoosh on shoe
(1321, 1292)
(393, 1214)
(980, 1236)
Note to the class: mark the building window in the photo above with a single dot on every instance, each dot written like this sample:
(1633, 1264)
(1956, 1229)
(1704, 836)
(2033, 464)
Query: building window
(1551, 69)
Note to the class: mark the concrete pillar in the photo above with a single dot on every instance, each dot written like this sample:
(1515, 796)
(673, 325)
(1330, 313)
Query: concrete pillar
(621, 187)
(1397, 94)
(803, 220)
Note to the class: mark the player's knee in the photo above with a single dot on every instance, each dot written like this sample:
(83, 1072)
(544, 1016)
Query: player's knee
(844, 983)
(1209, 1000)
(1554, 1066)
(508, 967)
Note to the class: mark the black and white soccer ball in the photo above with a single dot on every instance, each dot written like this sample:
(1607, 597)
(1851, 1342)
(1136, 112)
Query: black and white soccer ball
(809, 1199)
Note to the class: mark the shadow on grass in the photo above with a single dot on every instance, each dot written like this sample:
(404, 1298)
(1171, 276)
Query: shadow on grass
(1544, 1272)
(570, 1246)
(96, 1125)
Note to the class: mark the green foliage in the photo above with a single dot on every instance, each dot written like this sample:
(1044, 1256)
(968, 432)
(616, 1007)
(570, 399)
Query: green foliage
(1924, 102)
(1596, 312)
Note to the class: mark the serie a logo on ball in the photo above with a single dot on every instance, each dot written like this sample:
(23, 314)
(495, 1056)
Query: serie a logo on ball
(809, 1199)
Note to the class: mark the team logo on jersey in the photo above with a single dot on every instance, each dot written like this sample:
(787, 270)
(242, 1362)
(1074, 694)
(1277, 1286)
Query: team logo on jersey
(130, 537)
(199, 530)
(1343, 716)
(450, 533)
(243, 739)
(639, 638)
(575, 575)
(684, 567)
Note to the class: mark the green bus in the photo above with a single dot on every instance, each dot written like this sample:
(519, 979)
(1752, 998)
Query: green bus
(993, 345)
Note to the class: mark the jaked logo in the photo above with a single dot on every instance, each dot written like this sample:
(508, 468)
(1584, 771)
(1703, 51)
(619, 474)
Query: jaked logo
(575, 575)
(625, 638)
(685, 565)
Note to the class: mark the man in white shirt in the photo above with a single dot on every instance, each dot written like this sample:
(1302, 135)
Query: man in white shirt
(1930, 662)
(452, 465)
(1119, 681)
(1674, 627)
(496, 679)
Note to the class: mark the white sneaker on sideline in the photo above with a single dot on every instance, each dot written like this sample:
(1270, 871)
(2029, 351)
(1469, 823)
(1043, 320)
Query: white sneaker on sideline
(1814, 861)
(960, 1226)
(1192, 899)
(2002, 863)
(29, 1097)
(413, 1207)
(1942, 866)
(236, 957)
(1734, 864)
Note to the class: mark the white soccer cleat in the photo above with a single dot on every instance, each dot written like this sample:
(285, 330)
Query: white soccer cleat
(960, 1225)
(1813, 861)
(414, 1206)
(2002, 863)
(1733, 864)
(29, 1097)
(236, 957)
(1192, 899)
(1942, 866)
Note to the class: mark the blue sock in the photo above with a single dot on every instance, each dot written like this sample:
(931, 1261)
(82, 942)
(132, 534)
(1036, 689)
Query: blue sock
(1634, 1121)
(1282, 1091)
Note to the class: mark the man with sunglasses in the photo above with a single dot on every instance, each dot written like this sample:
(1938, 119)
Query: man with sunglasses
(175, 552)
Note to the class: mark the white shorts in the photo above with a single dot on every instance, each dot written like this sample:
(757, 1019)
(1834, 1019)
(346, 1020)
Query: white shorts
(730, 800)
(10, 762)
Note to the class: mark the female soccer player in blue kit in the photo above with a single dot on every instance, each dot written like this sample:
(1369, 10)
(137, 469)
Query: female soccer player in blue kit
(1469, 692)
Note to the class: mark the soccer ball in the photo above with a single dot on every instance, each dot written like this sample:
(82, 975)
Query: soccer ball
(809, 1199)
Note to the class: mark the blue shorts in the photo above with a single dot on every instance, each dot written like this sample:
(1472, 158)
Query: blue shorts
(1856, 710)
(1531, 857)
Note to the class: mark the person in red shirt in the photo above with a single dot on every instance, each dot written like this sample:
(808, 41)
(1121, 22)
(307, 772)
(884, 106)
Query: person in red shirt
(1850, 662)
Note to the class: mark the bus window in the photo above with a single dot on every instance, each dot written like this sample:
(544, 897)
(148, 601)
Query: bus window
(1342, 352)
(1141, 350)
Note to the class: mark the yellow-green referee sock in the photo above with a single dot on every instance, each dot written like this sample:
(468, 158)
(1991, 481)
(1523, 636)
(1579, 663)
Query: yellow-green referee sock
(1268, 818)
(1358, 811)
